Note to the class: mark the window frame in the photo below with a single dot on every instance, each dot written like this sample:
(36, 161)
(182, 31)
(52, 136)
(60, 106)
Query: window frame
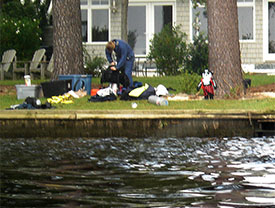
(249, 4)
(239, 4)
(89, 7)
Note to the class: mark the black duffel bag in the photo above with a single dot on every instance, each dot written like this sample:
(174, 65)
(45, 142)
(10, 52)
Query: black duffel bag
(118, 77)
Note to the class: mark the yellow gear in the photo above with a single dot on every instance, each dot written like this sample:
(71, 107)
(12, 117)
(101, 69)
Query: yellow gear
(65, 99)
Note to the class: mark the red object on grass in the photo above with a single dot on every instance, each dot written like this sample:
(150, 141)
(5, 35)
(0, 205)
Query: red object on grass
(93, 92)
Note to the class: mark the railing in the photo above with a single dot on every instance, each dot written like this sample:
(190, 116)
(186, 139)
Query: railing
(145, 68)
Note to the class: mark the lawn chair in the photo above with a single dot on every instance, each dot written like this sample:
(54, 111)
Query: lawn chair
(50, 67)
(38, 63)
(6, 63)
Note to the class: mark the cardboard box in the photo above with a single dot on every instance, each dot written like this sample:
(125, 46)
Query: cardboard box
(24, 91)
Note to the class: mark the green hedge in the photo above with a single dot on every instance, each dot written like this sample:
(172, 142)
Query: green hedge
(23, 35)
(20, 27)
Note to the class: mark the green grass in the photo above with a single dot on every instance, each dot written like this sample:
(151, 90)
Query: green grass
(83, 104)
(260, 79)
(265, 104)
(169, 81)
(15, 82)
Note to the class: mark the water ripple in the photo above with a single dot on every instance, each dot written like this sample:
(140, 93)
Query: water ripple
(123, 172)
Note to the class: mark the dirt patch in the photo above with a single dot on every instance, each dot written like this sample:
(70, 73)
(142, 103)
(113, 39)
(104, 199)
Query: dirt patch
(263, 88)
(7, 90)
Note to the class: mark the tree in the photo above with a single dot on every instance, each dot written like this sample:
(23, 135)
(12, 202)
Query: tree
(196, 59)
(20, 27)
(67, 37)
(124, 16)
(224, 46)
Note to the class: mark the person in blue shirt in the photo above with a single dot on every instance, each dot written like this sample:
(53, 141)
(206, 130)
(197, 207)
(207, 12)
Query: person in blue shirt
(124, 56)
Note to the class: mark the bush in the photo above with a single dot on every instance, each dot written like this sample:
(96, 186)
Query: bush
(22, 35)
(20, 28)
(168, 49)
(94, 64)
(189, 82)
(171, 52)
(197, 59)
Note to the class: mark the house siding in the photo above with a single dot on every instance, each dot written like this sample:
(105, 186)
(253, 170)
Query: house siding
(115, 24)
(183, 16)
(251, 50)
(115, 32)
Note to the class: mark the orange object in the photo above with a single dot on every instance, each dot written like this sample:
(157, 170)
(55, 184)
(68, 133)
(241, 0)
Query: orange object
(93, 92)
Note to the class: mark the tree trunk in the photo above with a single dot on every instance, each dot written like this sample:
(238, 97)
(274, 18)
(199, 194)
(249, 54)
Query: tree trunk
(124, 16)
(67, 37)
(224, 47)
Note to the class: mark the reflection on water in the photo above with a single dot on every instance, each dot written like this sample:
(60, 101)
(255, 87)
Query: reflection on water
(149, 172)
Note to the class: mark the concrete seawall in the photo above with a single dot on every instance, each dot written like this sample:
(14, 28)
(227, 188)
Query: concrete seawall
(135, 123)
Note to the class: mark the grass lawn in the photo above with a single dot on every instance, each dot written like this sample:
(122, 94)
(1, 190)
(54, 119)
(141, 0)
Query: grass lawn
(227, 104)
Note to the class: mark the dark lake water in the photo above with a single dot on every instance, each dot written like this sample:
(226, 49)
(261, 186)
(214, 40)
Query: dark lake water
(149, 172)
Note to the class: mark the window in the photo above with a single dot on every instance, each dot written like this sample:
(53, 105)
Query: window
(84, 20)
(199, 23)
(94, 2)
(100, 25)
(146, 19)
(269, 30)
(271, 27)
(163, 16)
(95, 20)
(245, 19)
(100, 2)
(137, 28)
(83, 2)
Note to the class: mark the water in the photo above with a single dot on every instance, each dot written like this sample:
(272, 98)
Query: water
(149, 172)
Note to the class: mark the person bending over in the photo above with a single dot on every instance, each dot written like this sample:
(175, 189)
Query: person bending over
(124, 56)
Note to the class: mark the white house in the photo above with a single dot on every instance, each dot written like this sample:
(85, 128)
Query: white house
(101, 22)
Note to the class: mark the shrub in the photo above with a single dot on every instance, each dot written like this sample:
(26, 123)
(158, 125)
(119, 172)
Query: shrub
(189, 82)
(93, 63)
(168, 49)
(197, 59)
(22, 35)
(20, 28)
(184, 83)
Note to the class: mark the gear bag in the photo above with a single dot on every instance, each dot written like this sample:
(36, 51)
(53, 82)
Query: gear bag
(117, 77)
